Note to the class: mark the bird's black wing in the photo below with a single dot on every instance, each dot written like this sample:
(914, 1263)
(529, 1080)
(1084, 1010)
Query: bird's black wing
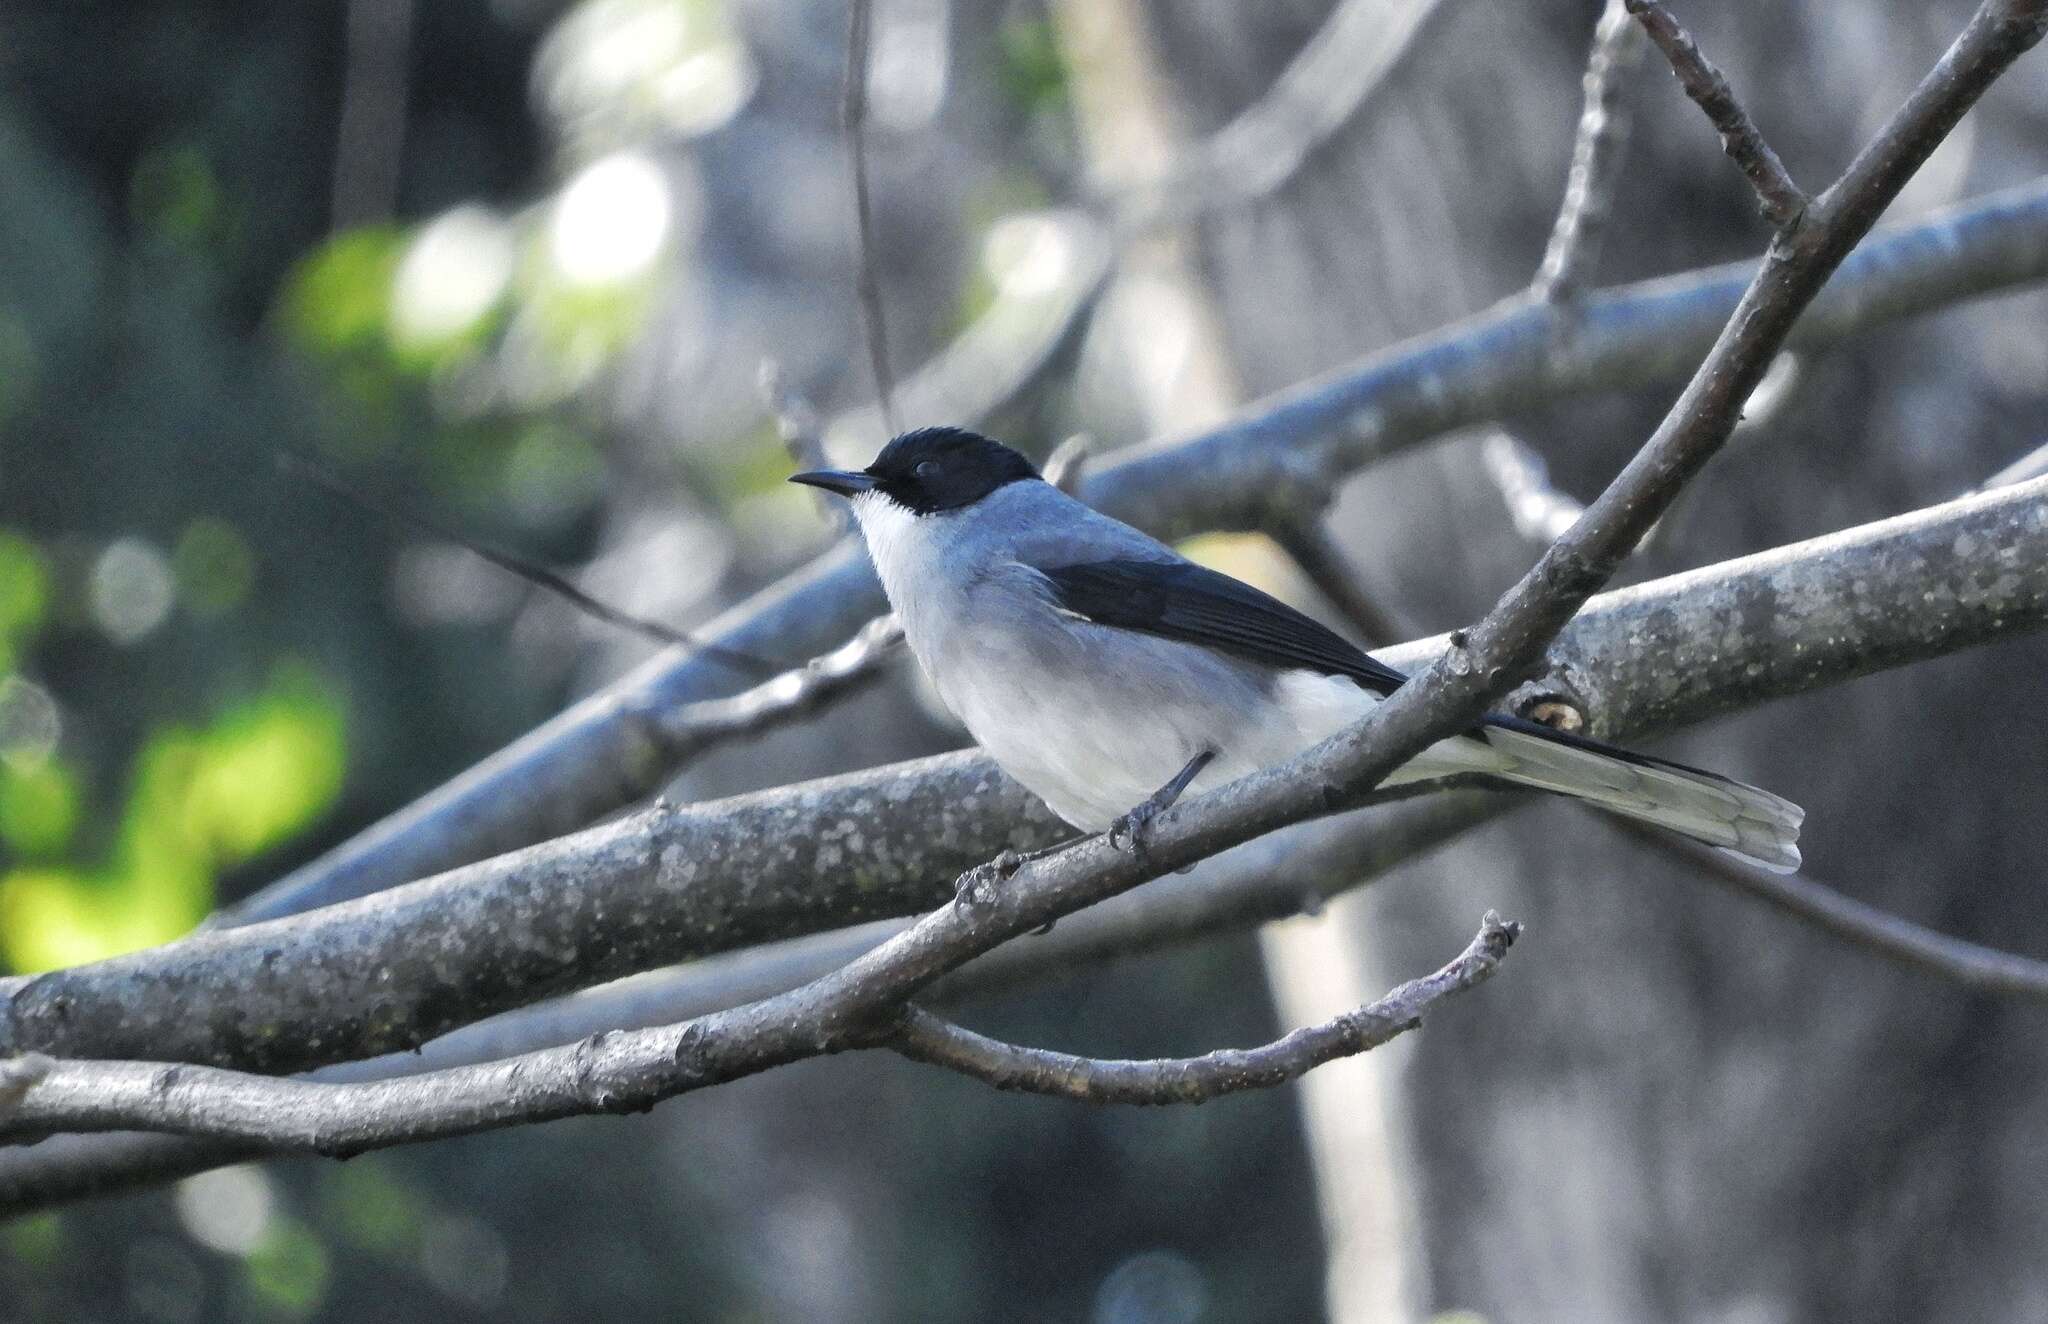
(1183, 601)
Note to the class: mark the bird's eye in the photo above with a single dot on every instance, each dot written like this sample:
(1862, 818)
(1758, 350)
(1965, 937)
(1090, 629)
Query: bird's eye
(927, 469)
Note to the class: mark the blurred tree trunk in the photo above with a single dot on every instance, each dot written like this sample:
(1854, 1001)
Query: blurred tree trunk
(1678, 1106)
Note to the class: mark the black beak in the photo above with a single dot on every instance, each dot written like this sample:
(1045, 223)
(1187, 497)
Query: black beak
(842, 481)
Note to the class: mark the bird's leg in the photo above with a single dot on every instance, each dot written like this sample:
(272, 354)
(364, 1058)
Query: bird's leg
(1128, 832)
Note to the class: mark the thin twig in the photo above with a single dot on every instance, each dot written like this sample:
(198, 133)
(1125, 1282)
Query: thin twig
(2031, 465)
(924, 1036)
(1067, 464)
(1894, 937)
(687, 730)
(1011, 348)
(1597, 154)
(537, 575)
(1781, 199)
(1319, 91)
(854, 116)
(1308, 543)
(1536, 507)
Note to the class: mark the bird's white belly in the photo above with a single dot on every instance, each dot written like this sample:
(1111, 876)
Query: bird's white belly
(1100, 744)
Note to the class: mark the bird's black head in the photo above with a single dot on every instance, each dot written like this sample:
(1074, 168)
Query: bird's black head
(931, 470)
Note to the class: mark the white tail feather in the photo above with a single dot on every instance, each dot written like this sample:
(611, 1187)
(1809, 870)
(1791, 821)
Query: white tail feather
(1742, 820)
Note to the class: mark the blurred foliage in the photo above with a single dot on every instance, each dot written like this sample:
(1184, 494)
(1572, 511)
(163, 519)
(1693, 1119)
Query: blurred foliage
(202, 800)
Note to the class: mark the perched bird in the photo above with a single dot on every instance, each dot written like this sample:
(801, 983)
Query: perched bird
(1108, 674)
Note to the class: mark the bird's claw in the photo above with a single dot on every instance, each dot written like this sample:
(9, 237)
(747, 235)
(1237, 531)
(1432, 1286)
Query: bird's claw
(975, 889)
(1128, 832)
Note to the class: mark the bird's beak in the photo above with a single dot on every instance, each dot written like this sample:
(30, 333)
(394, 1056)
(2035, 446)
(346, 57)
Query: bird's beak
(845, 482)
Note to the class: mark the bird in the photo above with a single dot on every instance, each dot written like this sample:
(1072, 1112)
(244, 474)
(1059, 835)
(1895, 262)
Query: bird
(1109, 674)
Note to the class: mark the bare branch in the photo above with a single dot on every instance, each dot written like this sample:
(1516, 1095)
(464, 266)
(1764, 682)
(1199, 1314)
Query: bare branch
(1284, 874)
(532, 572)
(1780, 199)
(1299, 443)
(924, 1037)
(1309, 544)
(389, 972)
(687, 731)
(1539, 511)
(1597, 154)
(1512, 638)
(629, 1071)
(1315, 95)
(1978, 968)
(1067, 463)
(2031, 465)
(854, 116)
(852, 1007)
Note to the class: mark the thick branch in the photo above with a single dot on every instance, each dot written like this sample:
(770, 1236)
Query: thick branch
(1780, 199)
(391, 971)
(1284, 874)
(595, 758)
(925, 1037)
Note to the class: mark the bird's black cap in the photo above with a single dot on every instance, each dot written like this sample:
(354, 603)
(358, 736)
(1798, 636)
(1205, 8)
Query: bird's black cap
(930, 470)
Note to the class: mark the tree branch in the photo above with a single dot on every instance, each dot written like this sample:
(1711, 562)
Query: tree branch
(388, 972)
(1597, 154)
(854, 117)
(922, 1036)
(1309, 545)
(851, 1007)
(1294, 447)
(1265, 145)
(1973, 966)
(1287, 873)
(1779, 198)
(631, 1070)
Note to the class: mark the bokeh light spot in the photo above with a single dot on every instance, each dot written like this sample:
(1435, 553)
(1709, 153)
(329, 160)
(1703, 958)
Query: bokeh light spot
(132, 590)
(227, 1210)
(611, 222)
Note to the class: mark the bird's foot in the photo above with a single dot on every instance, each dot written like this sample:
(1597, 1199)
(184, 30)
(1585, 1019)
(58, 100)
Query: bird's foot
(1128, 832)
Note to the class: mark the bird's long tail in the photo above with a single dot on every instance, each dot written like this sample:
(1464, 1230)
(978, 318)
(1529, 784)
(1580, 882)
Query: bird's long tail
(1740, 819)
